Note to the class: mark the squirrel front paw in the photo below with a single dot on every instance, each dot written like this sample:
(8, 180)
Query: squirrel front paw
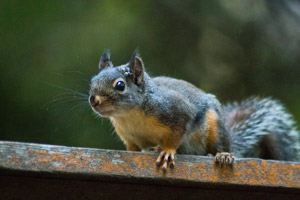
(224, 158)
(166, 157)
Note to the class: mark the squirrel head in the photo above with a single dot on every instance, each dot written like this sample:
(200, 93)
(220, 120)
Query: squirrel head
(115, 90)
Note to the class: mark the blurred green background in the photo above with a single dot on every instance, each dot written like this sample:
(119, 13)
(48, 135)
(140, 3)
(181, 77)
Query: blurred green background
(233, 49)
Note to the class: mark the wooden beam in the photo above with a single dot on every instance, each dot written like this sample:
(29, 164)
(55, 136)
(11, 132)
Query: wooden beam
(58, 170)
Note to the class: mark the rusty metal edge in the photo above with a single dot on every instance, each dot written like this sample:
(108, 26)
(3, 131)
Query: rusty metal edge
(99, 164)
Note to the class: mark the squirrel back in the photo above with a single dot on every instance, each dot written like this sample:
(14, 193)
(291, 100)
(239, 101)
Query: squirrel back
(261, 127)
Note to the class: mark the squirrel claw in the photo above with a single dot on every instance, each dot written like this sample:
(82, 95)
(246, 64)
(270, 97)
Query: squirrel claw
(165, 158)
(224, 158)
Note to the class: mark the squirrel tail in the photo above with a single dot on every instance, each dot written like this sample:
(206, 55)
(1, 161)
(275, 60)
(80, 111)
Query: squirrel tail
(261, 127)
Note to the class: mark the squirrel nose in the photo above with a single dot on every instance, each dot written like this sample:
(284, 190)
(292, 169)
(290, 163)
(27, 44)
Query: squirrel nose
(94, 100)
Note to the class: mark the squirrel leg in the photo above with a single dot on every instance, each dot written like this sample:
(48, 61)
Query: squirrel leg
(170, 144)
(217, 140)
(132, 147)
(224, 158)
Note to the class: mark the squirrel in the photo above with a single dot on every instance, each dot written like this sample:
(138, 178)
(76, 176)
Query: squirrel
(174, 116)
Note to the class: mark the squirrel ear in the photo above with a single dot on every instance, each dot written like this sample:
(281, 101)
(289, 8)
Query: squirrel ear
(105, 60)
(136, 66)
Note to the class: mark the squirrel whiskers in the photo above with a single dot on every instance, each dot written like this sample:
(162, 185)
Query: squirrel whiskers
(173, 116)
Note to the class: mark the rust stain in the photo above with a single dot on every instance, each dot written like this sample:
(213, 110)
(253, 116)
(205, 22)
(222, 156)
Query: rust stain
(250, 172)
(14, 160)
(42, 152)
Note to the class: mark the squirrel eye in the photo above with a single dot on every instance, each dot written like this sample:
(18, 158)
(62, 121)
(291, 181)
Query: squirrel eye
(120, 86)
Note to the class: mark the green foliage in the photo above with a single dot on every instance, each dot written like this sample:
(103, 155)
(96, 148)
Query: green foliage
(233, 49)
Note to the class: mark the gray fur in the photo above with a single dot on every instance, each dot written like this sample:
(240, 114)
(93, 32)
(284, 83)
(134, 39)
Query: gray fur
(258, 118)
(178, 103)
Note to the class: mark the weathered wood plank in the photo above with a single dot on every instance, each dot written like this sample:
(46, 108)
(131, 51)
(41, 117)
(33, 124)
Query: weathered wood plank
(48, 166)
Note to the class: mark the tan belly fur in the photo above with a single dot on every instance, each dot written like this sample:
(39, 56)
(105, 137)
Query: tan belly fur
(137, 128)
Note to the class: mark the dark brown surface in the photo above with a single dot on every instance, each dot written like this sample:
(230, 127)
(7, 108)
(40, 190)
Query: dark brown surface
(34, 171)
